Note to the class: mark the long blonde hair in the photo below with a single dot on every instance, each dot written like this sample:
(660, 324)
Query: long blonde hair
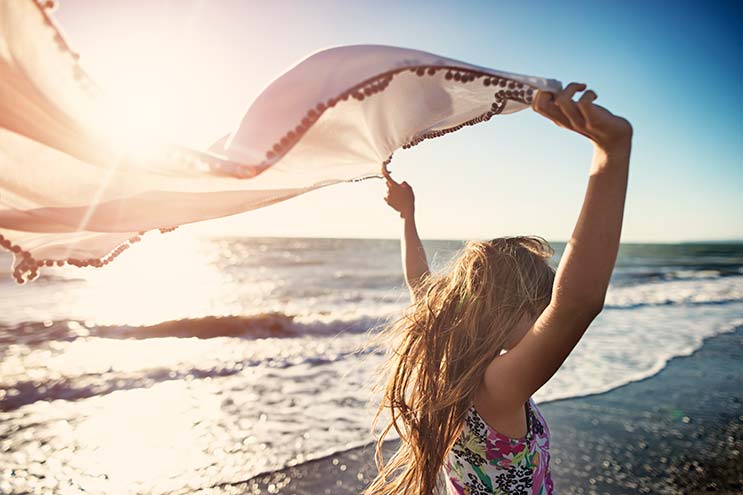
(445, 339)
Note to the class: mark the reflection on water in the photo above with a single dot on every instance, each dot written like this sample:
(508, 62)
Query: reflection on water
(170, 414)
(147, 436)
(156, 281)
(194, 431)
(176, 276)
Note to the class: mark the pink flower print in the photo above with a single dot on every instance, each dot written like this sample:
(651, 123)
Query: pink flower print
(498, 445)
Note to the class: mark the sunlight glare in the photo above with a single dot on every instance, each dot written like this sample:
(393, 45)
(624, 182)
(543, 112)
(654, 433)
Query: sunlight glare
(162, 278)
(151, 83)
(147, 436)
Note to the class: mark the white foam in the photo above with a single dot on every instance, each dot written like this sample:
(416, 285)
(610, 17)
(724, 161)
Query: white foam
(693, 290)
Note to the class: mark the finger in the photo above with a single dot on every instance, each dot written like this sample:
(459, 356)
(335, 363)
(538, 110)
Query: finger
(569, 107)
(570, 90)
(585, 105)
(542, 100)
(387, 175)
(544, 104)
(537, 96)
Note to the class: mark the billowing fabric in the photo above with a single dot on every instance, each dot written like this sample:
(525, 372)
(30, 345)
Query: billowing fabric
(72, 193)
(485, 462)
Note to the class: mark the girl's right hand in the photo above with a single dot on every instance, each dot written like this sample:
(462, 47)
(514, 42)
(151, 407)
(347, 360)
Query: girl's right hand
(399, 196)
(606, 130)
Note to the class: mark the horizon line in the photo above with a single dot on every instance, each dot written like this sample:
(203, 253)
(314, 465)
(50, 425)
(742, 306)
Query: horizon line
(274, 236)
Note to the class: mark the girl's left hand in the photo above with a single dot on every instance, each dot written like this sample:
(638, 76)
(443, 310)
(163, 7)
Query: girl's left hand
(399, 196)
(608, 131)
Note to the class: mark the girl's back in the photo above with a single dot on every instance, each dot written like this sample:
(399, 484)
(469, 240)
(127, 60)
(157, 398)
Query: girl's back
(485, 461)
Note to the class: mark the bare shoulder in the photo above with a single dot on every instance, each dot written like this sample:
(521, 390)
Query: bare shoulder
(511, 378)
(497, 392)
(500, 415)
(496, 387)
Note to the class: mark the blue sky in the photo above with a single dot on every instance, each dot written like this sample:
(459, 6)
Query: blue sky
(674, 69)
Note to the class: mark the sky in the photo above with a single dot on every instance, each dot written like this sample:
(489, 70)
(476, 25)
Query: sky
(673, 69)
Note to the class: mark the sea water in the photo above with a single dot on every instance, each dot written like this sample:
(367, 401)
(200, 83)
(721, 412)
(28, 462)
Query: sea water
(190, 362)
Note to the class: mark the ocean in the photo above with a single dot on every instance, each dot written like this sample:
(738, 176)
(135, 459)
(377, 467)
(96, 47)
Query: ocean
(197, 362)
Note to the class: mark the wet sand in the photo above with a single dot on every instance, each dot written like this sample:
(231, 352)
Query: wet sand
(680, 431)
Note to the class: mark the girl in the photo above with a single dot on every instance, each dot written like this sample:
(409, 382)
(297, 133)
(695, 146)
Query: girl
(480, 338)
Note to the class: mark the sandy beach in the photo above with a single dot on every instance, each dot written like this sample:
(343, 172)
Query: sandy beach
(678, 432)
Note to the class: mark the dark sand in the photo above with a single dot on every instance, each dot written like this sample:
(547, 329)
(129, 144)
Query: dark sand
(678, 432)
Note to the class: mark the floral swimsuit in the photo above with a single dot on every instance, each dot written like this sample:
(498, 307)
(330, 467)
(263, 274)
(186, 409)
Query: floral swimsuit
(485, 462)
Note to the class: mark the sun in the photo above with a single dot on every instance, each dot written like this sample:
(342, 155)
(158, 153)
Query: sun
(151, 84)
(147, 102)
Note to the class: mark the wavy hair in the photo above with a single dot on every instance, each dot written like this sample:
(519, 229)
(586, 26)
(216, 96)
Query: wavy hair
(444, 341)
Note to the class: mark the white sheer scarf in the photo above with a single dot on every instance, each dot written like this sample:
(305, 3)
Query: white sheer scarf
(70, 194)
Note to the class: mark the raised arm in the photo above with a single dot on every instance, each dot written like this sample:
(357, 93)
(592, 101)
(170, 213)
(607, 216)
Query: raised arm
(415, 265)
(585, 268)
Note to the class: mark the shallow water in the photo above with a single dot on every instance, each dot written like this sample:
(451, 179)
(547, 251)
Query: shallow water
(92, 400)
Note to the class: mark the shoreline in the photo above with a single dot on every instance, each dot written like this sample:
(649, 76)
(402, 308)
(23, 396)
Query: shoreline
(654, 435)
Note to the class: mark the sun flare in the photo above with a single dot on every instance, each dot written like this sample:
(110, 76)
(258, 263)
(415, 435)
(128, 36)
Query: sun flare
(150, 84)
